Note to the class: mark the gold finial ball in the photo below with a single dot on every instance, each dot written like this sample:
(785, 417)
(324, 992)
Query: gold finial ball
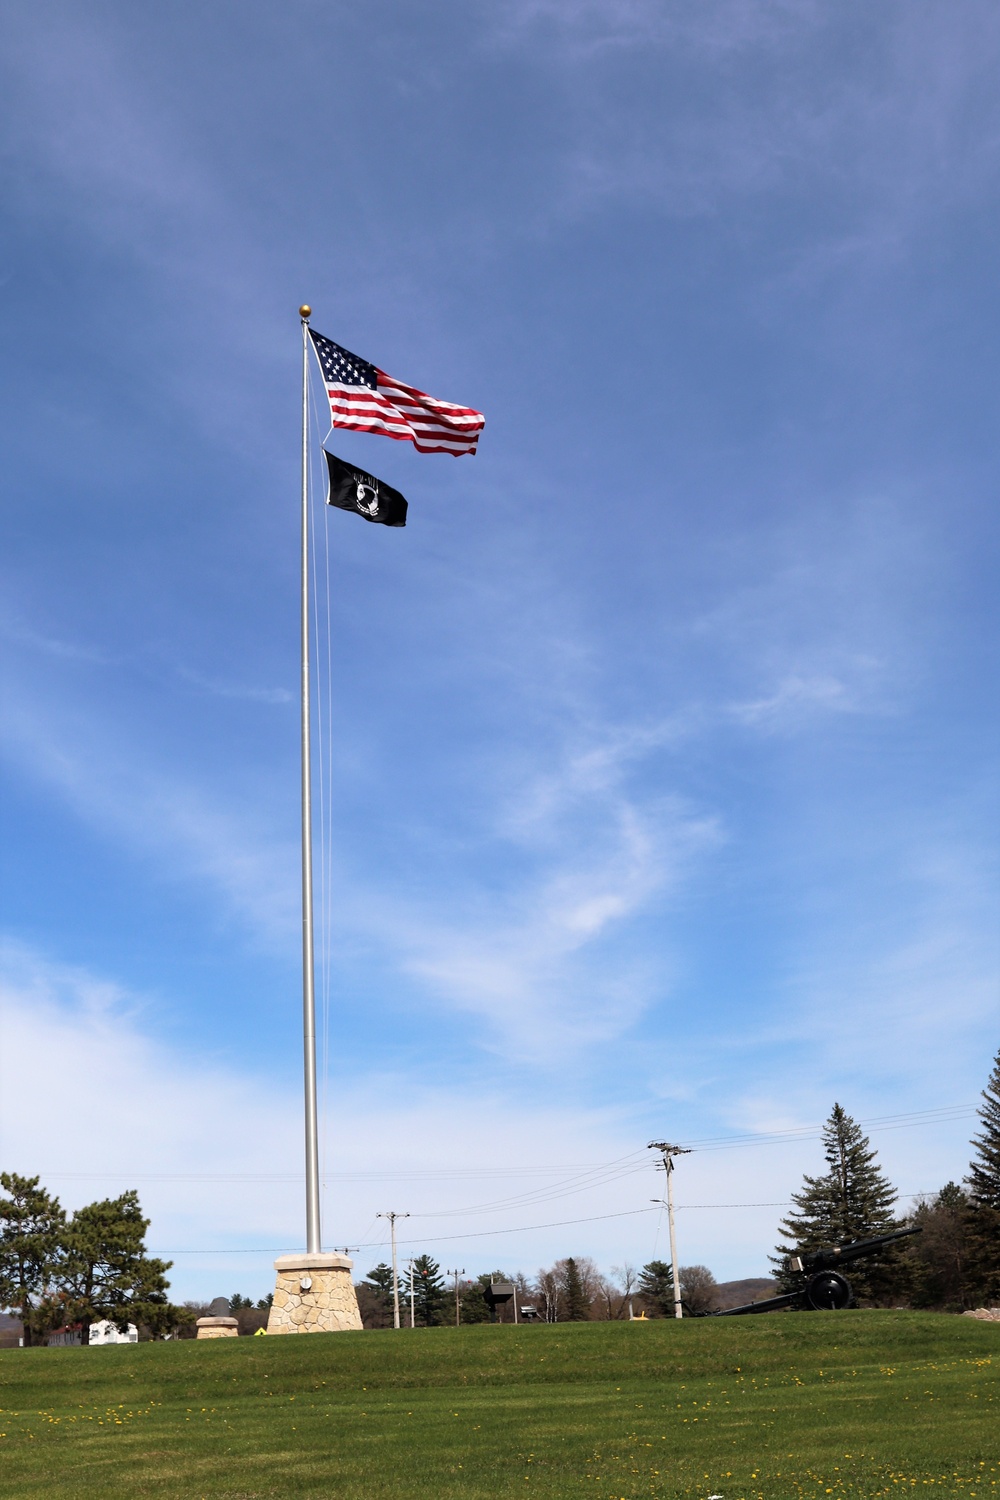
(305, 310)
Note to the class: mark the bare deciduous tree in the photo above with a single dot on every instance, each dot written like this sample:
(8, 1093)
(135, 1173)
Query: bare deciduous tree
(697, 1288)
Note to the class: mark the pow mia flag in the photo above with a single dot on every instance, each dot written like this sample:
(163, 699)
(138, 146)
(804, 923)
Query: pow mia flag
(353, 489)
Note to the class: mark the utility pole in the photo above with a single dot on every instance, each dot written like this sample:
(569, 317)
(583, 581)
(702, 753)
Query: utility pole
(668, 1153)
(413, 1305)
(458, 1305)
(392, 1216)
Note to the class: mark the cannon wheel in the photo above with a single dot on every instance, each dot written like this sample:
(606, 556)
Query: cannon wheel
(828, 1291)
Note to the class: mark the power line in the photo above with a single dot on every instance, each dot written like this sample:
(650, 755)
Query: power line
(520, 1229)
(433, 1240)
(584, 1182)
(943, 1115)
(876, 1125)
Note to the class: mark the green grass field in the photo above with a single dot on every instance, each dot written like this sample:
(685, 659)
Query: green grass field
(798, 1405)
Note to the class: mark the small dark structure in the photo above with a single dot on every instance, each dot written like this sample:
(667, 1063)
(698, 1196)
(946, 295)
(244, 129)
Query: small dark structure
(823, 1288)
(498, 1294)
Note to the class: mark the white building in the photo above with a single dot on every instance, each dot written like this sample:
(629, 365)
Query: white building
(106, 1333)
(100, 1333)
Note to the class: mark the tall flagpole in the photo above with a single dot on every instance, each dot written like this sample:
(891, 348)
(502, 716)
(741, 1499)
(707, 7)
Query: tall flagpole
(313, 1292)
(313, 1245)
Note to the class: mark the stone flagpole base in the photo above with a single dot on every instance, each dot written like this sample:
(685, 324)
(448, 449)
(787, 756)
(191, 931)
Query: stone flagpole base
(314, 1294)
(217, 1328)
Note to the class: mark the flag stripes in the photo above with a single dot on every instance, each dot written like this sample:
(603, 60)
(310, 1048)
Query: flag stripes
(366, 399)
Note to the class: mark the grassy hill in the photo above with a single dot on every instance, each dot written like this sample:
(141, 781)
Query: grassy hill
(798, 1405)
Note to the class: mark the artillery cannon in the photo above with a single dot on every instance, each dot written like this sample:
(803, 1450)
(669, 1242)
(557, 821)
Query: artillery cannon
(823, 1288)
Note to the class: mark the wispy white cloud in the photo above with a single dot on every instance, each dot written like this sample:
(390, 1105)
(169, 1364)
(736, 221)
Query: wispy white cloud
(19, 633)
(530, 933)
(102, 132)
(114, 784)
(246, 692)
(585, 27)
(892, 136)
(796, 699)
(215, 1152)
(583, 819)
(830, 615)
(916, 993)
(593, 853)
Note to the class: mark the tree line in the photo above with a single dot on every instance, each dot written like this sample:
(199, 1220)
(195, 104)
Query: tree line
(571, 1290)
(59, 1269)
(953, 1265)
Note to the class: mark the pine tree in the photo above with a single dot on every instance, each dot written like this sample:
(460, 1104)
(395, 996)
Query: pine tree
(380, 1278)
(375, 1297)
(983, 1183)
(31, 1226)
(577, 1304)
(429, 1292)
(852, 1201)
(656, 1288)
(106, 1272)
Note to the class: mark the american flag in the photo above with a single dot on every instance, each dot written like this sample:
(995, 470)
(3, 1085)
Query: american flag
(368, 400)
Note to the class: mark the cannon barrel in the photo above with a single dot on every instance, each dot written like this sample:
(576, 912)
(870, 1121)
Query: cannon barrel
(769, 1304)
(833, 1255)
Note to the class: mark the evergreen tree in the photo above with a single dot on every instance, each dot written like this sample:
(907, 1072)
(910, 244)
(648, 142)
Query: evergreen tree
(375, 1297)
(105, 1271)
(31, 1226)
(577, 1302)
(656, 1288)
(380, 1277)
(983, 1183)
(853, 1200)
(429, 1293)
(940, 1257)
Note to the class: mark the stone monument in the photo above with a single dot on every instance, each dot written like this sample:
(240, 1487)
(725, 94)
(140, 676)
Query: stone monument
(219, 1324)
(314, 1294)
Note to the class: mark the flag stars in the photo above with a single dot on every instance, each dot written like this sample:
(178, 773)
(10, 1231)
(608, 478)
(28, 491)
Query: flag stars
(340, 366)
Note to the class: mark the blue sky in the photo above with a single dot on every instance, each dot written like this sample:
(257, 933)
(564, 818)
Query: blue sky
(658, 752)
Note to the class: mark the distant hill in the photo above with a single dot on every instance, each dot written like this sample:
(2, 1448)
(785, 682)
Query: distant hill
(751, 1289)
